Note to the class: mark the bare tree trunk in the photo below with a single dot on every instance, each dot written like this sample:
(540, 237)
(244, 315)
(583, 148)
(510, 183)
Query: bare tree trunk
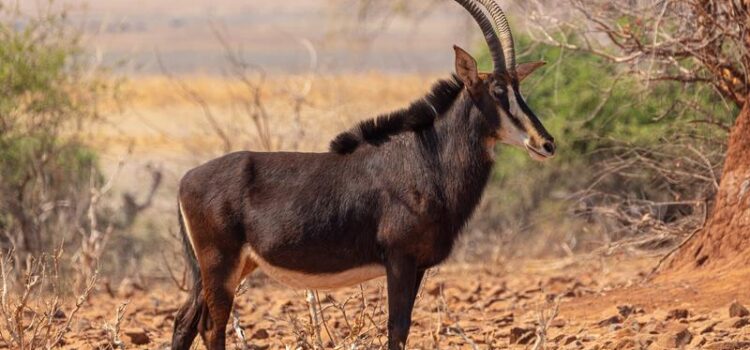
(725, 240)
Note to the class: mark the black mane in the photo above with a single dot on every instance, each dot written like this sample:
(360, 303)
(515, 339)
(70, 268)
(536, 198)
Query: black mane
(419, 115)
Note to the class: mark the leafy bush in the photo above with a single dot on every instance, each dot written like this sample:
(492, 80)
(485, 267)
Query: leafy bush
(46, 94)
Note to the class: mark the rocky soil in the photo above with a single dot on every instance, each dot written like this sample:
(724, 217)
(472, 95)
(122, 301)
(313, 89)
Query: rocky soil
(575, 303)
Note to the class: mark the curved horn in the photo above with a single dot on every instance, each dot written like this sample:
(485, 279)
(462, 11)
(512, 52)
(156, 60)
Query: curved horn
(506, 37)
(488, 30)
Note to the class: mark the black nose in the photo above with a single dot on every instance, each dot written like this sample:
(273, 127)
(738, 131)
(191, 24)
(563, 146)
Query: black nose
(549, 147)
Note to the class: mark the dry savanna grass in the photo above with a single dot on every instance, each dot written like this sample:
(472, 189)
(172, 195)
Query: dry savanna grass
(161, 114)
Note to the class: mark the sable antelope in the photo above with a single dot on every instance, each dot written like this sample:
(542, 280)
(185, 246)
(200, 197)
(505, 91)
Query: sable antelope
(389, 198)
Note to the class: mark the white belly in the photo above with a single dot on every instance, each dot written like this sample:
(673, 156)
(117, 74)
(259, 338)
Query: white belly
(302, 280)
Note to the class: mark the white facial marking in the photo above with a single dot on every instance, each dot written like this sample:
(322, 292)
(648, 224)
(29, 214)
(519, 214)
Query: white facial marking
(303, 280)
(510, 134)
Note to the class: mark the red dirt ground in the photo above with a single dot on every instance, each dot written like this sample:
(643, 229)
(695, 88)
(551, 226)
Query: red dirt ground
(603, 304)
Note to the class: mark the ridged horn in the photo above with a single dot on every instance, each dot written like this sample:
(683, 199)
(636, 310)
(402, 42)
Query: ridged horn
(496, 50)
(506, 37)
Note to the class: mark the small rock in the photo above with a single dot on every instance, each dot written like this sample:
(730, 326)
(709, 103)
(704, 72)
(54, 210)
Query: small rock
(527, 339)
(59, 315)
(624, 333)
(497, 291)
(610, 320)
(677, 337)
(678, 314)
(587, 338)
(505, 320)
(625, 310)
(137, 336)
(721, 334)
(260, 334)
(710, 328)
(728, 345)
(735, 322)
(516, 333)
(557, 323)
(644, 340)
(570, 293)
(634, 325)
(625, 344)
(62, 342)
(520, 335)
(656, 327)
(570, 339)
(573, 346)
(737, 310)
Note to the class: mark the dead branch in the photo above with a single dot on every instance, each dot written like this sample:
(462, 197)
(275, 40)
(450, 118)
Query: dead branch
(314, 320)
(131, 208)
(93, 239)
(239, 332)
(113, 330)
(691, 42)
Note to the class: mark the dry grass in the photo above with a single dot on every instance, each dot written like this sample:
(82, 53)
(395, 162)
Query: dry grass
(158, 91)
(159, 117)
(32, 306)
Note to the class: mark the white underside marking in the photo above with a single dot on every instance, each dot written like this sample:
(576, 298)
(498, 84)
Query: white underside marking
(302, 280)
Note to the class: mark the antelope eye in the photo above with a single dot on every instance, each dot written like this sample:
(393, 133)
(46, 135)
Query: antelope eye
(498, 90)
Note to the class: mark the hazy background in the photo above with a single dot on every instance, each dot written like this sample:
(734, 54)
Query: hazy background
(130, 35)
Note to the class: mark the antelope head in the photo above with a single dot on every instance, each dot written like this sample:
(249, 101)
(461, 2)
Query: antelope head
(497, 93)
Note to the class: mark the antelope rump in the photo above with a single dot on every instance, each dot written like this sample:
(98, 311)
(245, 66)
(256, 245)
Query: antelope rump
(390, 197)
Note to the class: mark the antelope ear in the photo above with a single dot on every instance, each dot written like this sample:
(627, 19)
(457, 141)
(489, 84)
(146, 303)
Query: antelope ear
(523, 70)
(466, 68)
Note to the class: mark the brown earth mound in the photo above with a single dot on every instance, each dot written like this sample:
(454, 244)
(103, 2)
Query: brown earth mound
(725, 240)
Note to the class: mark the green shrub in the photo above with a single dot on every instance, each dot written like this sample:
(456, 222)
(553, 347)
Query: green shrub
(596, 113)
(45, 96)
